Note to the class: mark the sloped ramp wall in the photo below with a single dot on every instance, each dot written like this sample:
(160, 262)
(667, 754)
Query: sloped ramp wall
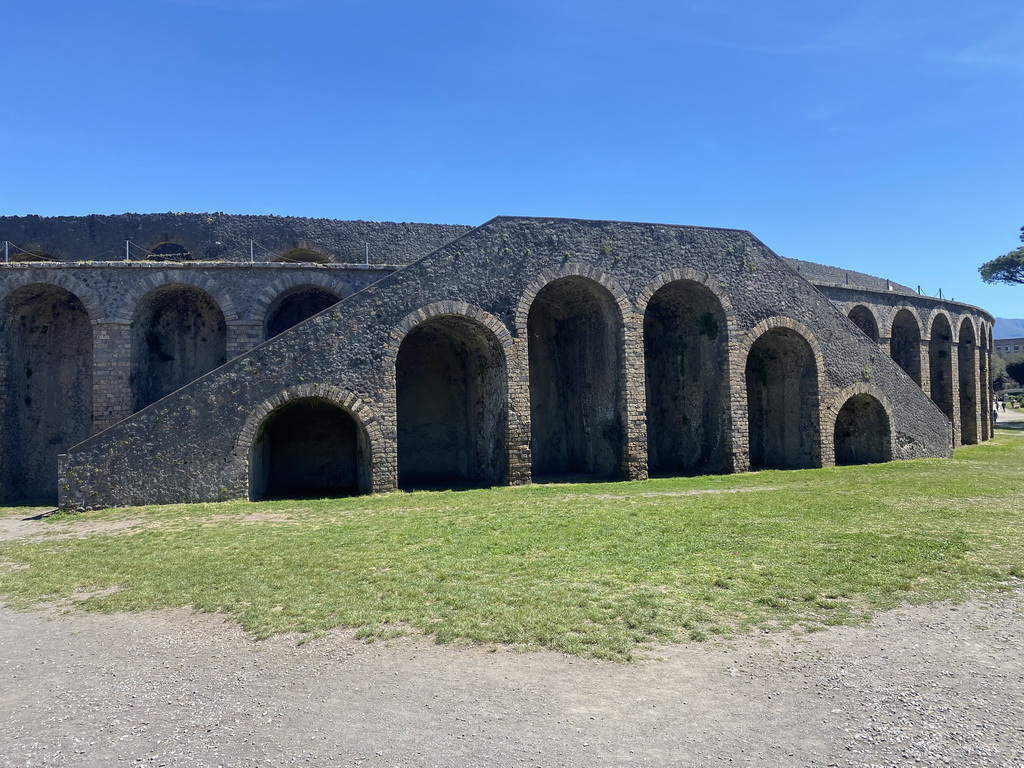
(196, 444)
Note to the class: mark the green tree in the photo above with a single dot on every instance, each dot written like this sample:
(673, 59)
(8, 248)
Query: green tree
(1008, 268)
(1015, 368)
(1001, 378)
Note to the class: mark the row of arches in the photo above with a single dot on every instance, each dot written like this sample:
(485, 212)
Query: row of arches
(177, 333)
(931, 364)
(453, 396)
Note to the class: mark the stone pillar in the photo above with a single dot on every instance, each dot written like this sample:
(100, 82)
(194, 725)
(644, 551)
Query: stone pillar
(635, 398)
(926, 368)
(954, 364)
(241, 337)
(112, 371)
(885, 343)
(520, 463)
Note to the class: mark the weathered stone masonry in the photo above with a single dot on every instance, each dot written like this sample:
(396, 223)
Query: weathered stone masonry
(523, 349)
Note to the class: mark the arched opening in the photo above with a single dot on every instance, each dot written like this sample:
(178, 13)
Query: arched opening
(940, 365)
(575, 331)
(170, 251)
(862, 432)
(309, 448)
(905, 344)
(294, 307)
(303, 256)
(178, 334)
(452, 393)
(782, 401)
(685, 347)
(46, 352)
(967, 353)
(864, 319)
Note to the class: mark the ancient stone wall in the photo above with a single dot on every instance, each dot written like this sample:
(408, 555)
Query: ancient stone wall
(531, 334)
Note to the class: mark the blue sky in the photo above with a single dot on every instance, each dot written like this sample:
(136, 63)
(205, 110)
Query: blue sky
(880, 136)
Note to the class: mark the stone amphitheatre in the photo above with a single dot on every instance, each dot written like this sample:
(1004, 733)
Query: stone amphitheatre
(199, 357)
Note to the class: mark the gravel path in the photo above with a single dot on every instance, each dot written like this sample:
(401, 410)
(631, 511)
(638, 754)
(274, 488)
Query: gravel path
(939, 685)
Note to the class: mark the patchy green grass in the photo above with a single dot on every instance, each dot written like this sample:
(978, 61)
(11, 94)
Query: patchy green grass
(598, 570)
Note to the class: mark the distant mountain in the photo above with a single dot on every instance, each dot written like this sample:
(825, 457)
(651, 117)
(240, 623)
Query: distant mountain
(1008, 329)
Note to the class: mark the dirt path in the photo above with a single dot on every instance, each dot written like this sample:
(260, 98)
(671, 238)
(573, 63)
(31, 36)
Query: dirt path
(924, 686)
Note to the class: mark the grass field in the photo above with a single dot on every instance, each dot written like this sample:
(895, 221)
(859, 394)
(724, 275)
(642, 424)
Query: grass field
(598, 570)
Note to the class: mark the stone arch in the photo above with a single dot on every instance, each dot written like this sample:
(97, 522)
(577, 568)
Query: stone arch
(570, 269)
(296, 305)
(46, 369)
(129, 305)
(782, 373)
(351, 445)
(170, 250)
(56, 278)
(575, 327)
(969, 380)
(287, 283)
(449, 362)
(864, 318)
(905, 342)
(178, 333)
(686, 364)
(861, 425)
(940, 363)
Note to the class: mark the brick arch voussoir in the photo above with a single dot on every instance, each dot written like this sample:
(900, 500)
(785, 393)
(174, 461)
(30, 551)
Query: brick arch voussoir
(914, 311)
(463, 309)
(627, 311)
(288, 283)
(70, 284)
(926, 332)
(364, 415)
(967, 319)
(689, 275)
(126, 311)
(838, 398)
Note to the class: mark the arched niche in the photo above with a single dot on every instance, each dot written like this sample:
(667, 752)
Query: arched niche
(451, 382)
(864, 319)
(170, 251)
(862, 432)
(685, 349)
(782, 401)
(294, 306)
(940, 365)
(575, 330)
(46, 350)
(905, 344)
(178, 334)
(309, 448)
(967, 354)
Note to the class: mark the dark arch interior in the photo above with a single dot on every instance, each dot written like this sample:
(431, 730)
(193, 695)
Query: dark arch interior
(170, 252)
(968, 385)
(452, 416)
(178, 334)
(309, 448)
(905, 344)
(684, 355)
(575, 391)
(940, 365)
(303, 255)
(296, 306)
(862, 432)
(46, 349)
(863, 318)
(782, 401)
